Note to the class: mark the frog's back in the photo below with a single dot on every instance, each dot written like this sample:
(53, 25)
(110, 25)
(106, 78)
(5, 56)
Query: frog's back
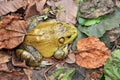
(43, 38)
(47, 37)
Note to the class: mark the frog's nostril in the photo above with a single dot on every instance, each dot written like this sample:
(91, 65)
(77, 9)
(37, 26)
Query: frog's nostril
(69, 36)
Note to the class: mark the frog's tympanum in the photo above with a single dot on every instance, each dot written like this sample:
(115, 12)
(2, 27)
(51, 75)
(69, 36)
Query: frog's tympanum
(48, 37)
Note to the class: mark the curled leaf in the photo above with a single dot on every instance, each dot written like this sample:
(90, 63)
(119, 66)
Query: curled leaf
(92, 53)
(12, 31)
(11, 6)
(34, 8)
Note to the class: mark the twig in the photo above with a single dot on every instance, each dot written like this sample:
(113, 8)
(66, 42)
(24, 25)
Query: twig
(47, 71)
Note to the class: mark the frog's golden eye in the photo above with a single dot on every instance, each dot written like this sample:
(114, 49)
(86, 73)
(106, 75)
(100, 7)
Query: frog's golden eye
(61, 40)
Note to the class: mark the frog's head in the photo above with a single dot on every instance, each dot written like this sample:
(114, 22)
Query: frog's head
(66, 32)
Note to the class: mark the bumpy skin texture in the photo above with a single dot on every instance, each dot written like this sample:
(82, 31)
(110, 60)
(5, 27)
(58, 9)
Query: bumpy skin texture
(47, 37)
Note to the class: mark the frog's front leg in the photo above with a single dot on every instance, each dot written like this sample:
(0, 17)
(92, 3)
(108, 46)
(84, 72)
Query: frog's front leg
(31, 56)
(61, 53)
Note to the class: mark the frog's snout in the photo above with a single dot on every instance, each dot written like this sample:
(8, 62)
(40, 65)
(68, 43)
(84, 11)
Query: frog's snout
(73, 33)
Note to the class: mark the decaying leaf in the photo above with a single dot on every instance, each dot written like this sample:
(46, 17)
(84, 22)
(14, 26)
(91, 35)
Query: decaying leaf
(4, 57)
(68, 11)
(12, 31)
(92, 53)
(34, 74)
(114, 34)
(95, 75)
(11, 6)
(70, 58)
(4, 67)
(14, 75)
(28, 73)
(96, 8)
(17, 62)
(35, 8)
(117, 3)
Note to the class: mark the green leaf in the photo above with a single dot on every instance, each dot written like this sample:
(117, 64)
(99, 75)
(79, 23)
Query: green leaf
(112, 66)
(106, 39)
(80, 36)
(81, 21)
(89, 22)
(59, 71)
(69, 74)
(109, 22)
(102, 77)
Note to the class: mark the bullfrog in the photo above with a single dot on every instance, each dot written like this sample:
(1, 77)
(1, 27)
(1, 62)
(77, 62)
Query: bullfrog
(49, 38)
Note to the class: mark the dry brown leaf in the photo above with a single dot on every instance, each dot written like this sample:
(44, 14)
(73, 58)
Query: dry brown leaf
(16, 62)
(35, 8)
(12, 31)
(68, 11)
(14, 75)
(90, 43)
(40, 5)
(34, 74)
(31, 10)
(4, 57)
(114, 34)
(117, 3)
(92, 53)
(70, 58)
(28, 72)
(4, 67)
(96, 8)
(11, 6)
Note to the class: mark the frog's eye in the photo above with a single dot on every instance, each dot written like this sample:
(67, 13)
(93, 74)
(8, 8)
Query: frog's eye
(61, 40)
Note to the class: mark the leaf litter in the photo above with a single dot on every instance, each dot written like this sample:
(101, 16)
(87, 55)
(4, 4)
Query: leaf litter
(91, 55)
(12, 31)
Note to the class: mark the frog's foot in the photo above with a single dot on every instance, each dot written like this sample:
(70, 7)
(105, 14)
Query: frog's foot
(31, 58)
(61, 53)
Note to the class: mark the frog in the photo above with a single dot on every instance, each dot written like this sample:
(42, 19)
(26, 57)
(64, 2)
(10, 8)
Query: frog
(49, 36)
